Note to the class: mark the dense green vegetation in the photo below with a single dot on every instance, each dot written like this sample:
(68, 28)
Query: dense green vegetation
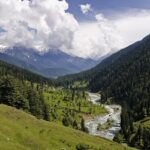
(22, 89)
(124, 78)
(21, 131)
(37, 95)
(22, 74)
(127, 81)
(21, 95)
(139, 134)
(70, 106)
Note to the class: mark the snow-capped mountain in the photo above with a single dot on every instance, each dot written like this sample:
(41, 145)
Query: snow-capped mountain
(49, 64)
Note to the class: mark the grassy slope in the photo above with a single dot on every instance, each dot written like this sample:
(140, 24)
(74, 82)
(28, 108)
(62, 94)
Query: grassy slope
(55, 99)
(145, 122)
(21, 131)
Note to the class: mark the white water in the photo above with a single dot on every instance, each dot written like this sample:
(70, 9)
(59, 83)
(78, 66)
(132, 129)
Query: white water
(114, 112)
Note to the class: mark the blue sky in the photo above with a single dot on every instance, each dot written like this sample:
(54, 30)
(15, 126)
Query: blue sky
(106, 6)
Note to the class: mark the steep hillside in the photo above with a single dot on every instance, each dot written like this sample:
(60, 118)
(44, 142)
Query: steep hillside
(50, 64)
(39, 96)
(124, 78)
(23, 89)
(127, 81)
(21, 131)
(7, 69)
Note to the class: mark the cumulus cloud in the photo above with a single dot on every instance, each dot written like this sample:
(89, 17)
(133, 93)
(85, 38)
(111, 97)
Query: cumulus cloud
(39, 24)
(46, 24)
(85, 8)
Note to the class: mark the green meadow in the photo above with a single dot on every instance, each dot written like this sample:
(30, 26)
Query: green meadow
(22, 131)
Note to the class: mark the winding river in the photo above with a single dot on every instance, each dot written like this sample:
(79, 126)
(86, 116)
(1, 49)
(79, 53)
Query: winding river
(114, 112)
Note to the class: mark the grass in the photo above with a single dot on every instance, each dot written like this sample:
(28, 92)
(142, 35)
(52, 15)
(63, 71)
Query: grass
(21, 131)
(105, 126)
(145, 122)
(64, 100)
(80, 84)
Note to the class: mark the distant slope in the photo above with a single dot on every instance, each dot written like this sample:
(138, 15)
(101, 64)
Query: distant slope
(89, 74)
(21, 131)
(7, 69)
(49, 64)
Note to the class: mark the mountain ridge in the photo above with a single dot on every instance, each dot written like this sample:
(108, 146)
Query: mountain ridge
(49, 64)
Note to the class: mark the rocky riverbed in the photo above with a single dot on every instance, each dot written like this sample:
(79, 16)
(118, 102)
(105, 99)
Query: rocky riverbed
(114, 112)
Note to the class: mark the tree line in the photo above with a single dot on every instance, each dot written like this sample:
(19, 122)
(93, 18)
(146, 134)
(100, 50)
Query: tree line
(127, 82)
(22, 89)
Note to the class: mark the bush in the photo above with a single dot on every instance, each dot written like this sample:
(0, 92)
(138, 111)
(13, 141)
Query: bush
(82, 147)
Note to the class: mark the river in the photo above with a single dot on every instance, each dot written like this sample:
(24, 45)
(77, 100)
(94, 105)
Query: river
(114, 112)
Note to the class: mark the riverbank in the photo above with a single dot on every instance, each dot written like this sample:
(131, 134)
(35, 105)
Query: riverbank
(114, 112)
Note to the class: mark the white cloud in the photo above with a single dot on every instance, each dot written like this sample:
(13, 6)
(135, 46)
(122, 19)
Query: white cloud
(85, 8)
(95, 39)
(133, 26)
(38, 24)
(46, 25)
(106, 36)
